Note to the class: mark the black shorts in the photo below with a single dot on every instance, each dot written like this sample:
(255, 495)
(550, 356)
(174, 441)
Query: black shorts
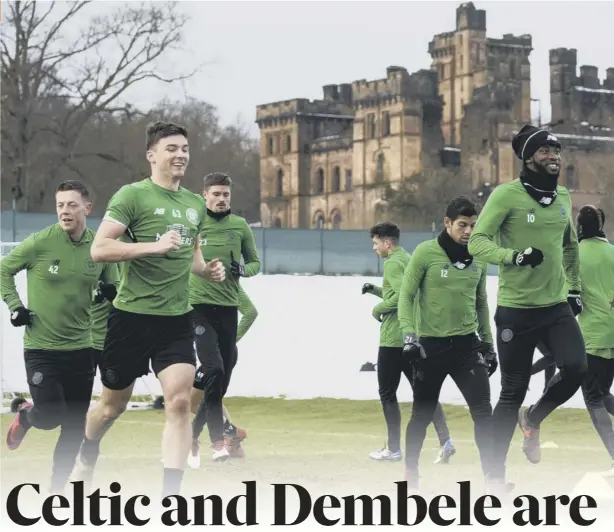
(97, 354)
(134, 341)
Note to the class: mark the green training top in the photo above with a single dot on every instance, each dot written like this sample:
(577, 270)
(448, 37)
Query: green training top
(513, 221)
(394, 266)
(157, 284)
(61, 277)
(248, 313)
(597, 317)
(452, 302)
(218, 239)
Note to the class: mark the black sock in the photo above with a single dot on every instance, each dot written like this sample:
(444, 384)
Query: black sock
(90, 449)
(172, 481)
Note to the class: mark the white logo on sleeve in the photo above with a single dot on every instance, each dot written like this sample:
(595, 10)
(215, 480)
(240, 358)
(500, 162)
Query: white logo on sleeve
(192, 216)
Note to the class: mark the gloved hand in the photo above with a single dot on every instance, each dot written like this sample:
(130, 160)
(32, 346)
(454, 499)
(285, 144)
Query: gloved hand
(21, 316)
(575, 302)
(367, 288)
(377, 315)
(104, 291)
(529, 257)
(412, 348)
(490, 357)
(237, 269)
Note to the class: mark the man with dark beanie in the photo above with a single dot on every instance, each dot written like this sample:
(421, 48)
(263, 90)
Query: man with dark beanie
(597, 321)
(526, 228)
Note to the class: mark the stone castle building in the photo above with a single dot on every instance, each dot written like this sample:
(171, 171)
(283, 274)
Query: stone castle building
(327, 163)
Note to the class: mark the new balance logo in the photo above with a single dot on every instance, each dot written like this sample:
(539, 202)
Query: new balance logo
(159, 212)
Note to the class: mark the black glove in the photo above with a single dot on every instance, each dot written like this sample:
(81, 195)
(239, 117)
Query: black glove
(412, 348)
(104, 291)
(490, 357)
(21, 316)
(575, 301)
(529, 257)
(238, 270)
(367, 288)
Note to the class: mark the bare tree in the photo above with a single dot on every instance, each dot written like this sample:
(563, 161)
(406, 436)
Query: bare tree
(56, 81)
(419, 201)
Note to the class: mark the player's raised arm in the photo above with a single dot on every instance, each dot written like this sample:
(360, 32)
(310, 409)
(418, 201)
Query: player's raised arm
(117, 219)
(249, 251)
(482, 243)
(483, 312)
(412, 279)
(248, 312)
(20, 258)
(571, 258)
(210, 271)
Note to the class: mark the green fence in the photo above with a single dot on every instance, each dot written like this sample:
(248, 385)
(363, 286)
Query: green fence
(288, 251)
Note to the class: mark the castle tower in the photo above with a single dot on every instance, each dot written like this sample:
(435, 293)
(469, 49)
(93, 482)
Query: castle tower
(563, 64)
(465, 59)
(459, 58)
(287, 130)
(396, 134)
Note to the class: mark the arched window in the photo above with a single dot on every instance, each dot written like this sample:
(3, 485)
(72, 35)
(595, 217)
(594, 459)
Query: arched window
(379, 173)
(319, 181)
(319, 220)
(336, 185)
(336, 219)
(279, 185)
(277, 223)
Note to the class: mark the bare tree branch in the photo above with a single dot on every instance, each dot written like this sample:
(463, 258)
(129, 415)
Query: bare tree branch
(54, 84)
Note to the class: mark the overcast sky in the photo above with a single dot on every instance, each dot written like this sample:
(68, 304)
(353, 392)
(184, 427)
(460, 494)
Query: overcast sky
(262, 52)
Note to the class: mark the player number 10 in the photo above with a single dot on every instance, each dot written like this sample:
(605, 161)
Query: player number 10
(530, 218)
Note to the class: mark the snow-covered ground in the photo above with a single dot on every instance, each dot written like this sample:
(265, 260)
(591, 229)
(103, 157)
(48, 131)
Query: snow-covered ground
(312, 335)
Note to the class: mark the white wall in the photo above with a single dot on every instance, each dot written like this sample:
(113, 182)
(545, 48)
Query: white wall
(310, 339)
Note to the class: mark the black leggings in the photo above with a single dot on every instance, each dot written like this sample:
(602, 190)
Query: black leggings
(454, 356)
(598, 398)
(518, 333)
(391, 364)
(215, 330)
(61, 385)
(545, 364)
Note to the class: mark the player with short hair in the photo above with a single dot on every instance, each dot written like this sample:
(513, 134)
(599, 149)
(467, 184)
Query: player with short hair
(391, 361)
(233, 435)
(61, 278)
(229, 237)
(597, 321)
(526, 228)
(151, 318)
(443, 306)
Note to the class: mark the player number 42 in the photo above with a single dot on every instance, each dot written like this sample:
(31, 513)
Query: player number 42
(53, 269)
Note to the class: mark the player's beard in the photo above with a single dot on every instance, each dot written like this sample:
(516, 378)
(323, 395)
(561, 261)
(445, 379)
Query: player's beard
(543, 169)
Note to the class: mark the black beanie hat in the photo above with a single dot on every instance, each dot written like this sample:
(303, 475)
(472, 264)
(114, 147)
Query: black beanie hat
(590, 220)
(529, 139)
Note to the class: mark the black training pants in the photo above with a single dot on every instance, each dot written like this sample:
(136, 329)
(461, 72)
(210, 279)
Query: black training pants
(215, 330)
(61, 385)
(518, 333)
(545, 364)
(391, 364)
(454, 356)
(599, 399)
